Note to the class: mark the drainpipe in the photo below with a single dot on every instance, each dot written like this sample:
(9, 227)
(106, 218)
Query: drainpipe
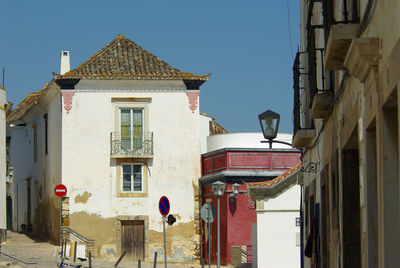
(301, 228)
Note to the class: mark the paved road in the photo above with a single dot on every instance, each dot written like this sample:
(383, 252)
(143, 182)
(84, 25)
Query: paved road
(33, 249)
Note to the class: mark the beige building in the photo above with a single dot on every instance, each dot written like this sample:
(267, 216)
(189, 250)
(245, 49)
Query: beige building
(346, 81)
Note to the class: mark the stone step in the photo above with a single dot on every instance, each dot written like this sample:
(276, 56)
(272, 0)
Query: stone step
(8, 264)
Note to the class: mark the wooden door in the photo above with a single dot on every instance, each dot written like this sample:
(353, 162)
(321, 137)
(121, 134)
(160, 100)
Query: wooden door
(132, 239)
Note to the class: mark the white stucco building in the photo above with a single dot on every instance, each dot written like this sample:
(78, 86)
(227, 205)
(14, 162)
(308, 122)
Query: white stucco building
(278, 220)
(119, 131)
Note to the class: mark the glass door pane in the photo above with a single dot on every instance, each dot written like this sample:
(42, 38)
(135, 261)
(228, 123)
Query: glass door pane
(126, 129)
(137, 129)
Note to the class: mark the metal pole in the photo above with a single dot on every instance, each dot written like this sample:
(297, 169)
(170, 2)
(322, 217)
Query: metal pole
(164, 219)
(155, 259)
(60, 220)
(209, 242)
(218, 239)
(75, 247)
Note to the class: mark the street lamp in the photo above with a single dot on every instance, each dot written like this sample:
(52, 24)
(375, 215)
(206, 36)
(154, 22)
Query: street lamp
(234, 192)
(218, 189)
(235, 188)
(269, 122)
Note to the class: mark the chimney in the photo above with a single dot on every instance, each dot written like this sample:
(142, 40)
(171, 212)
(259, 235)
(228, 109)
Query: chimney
(64, 66)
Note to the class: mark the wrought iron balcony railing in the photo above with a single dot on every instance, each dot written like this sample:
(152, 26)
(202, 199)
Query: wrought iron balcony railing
(132, 144)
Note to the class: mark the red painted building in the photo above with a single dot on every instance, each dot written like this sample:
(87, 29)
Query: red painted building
(238, 213)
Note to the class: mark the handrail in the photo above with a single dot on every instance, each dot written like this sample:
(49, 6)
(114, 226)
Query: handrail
(76, 234)
(131, 145)
(70, 234)
(17, 259)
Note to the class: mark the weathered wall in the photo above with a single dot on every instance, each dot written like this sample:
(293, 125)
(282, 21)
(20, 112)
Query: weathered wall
(91, 175)
(43, 173)
(360, 110)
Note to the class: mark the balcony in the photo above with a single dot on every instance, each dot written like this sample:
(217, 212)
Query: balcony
(363, 54)
(321, 104)
(132, 145)
(339, 40)
(303, 138)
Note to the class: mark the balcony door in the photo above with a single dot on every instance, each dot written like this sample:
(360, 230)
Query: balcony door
(131, 129)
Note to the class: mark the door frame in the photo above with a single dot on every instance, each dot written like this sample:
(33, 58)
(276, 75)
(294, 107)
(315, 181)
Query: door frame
(145, 220)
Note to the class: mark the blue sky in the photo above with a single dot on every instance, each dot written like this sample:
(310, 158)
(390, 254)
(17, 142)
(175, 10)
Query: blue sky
(244, 44)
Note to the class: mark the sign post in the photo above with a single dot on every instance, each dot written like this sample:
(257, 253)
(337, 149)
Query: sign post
(207, 213)
(60, 190)
(163, 206)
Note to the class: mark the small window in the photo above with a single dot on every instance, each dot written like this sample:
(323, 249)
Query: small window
(132, 178)
(65, 53)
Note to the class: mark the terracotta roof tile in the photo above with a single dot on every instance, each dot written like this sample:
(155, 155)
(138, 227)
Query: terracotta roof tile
(124, 59)
(275, 181)
(23, 107)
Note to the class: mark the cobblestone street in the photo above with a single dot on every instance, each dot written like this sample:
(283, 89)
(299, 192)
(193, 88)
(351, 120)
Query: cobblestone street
(33, 249)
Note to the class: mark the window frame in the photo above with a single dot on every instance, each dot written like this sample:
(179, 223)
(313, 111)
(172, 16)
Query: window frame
(131, 103)
(131, 125)
(132, 174)
(119, 177)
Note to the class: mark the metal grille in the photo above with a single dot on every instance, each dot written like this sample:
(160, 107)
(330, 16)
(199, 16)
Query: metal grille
(132, 145)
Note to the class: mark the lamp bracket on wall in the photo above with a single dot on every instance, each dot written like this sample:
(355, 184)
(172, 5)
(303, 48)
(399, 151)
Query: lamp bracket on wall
(311, 168)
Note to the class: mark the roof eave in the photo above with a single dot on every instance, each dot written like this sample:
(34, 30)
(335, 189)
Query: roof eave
(202, 78)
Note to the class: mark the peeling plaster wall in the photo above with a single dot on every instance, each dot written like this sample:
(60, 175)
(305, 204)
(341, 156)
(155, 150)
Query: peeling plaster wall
(44, 173)
(90, 173)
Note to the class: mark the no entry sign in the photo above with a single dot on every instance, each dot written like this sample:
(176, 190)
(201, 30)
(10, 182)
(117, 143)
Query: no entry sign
(163, 205)
(60, 190)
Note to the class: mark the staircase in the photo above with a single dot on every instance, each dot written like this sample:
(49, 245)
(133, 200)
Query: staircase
(69, 235)
(241, 256)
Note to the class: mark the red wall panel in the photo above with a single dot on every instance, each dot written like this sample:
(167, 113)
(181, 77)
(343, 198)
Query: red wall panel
(285, 160)
(249, 160)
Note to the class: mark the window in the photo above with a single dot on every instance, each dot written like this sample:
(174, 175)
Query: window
(132, 177)
(131, 129)
(131, 137)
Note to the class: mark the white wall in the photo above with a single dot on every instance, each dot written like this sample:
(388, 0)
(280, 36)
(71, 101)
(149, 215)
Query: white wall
(277, 231)
(174, 168)
(21, 158)
(204, 132)
(244, 140)
(46, 170)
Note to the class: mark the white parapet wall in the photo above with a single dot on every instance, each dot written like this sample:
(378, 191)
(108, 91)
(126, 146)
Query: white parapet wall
(245, 140)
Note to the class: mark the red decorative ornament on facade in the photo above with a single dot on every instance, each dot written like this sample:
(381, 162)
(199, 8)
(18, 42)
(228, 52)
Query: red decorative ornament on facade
(67, 96)
(193, 96)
